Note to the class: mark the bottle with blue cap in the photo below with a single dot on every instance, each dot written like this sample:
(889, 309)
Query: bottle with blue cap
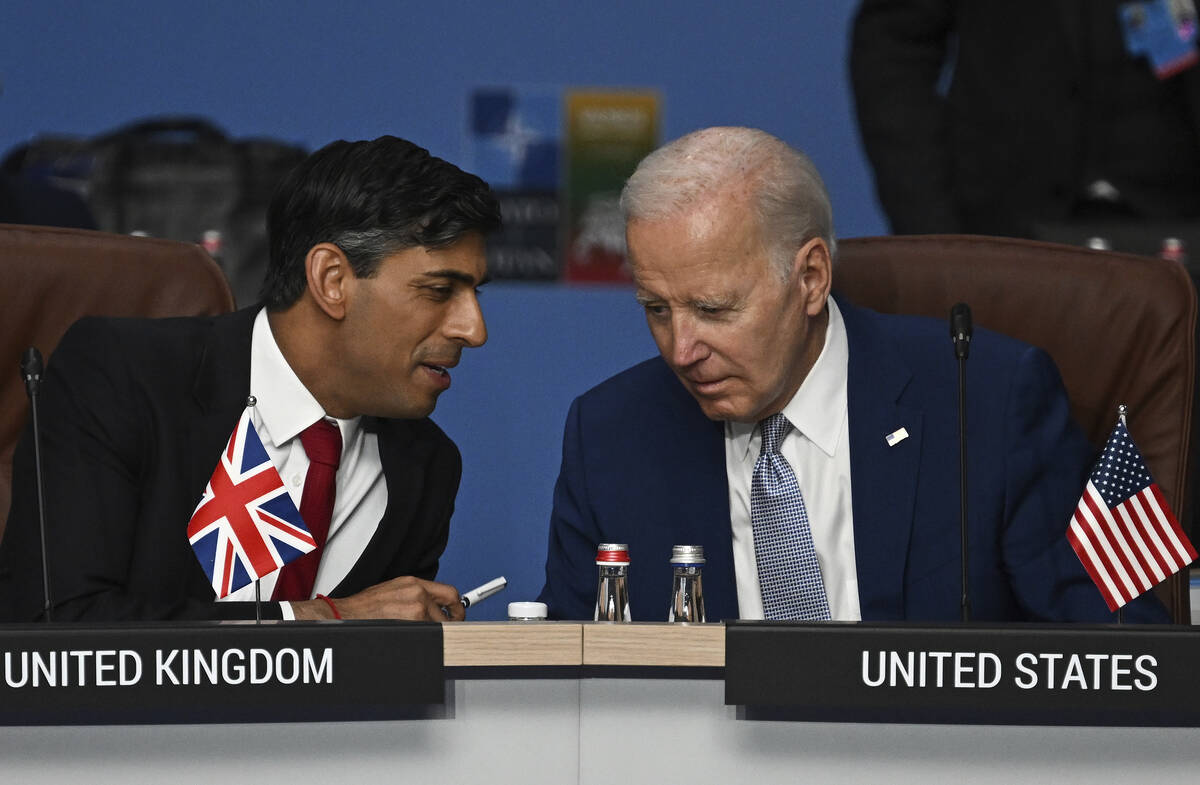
(687, 594)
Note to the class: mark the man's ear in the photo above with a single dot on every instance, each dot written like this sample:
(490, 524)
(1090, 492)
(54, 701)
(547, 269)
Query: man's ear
(330, 278)
(813, 271)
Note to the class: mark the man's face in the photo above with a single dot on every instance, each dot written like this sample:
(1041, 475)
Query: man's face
(406, 326)
(739, 338)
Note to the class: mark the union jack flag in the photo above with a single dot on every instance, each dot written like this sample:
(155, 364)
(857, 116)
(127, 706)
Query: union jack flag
(246, 526)
(1123, 531)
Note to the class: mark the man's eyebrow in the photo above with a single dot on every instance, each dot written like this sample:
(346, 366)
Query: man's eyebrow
(457, 275)
(728, 301)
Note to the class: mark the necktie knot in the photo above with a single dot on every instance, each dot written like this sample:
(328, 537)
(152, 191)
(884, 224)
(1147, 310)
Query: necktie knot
(773, 429)
(322, 443)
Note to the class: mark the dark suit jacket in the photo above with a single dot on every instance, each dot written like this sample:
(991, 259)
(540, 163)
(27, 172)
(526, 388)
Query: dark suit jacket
(1042, 99)
(642, 465)
(134, 413)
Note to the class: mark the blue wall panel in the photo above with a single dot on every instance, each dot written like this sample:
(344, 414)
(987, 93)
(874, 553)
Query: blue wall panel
(309, 72)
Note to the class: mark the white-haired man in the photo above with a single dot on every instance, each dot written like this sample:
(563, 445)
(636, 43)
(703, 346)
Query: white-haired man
(808, 445)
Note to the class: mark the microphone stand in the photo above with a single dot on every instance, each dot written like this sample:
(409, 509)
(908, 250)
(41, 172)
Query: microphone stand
(960, 332)
(31, 373)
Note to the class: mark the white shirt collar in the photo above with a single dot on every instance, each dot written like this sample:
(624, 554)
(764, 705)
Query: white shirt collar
(284, 405)
(818, 408)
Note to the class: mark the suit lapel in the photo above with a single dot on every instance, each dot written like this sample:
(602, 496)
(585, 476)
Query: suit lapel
(403, 458)
(712, 500)
(702, 499)
(884, 477)
(221, 387)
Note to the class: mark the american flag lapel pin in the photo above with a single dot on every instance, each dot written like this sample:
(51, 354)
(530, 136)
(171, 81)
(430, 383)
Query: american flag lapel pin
(896, 436)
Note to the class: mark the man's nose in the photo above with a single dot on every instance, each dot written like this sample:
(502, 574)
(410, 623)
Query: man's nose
(466, 324)
(687, 345)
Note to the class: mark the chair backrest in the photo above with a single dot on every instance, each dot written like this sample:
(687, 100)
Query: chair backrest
(54, 276)
(1121, 329)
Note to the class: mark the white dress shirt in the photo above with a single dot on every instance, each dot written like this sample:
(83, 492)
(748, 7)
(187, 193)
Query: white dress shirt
(284, 408)
(818, 449)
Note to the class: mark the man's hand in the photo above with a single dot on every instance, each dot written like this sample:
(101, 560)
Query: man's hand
(408, 598)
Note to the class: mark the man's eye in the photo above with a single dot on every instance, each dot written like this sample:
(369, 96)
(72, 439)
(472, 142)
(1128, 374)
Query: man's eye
(710, 310)
(655, 309)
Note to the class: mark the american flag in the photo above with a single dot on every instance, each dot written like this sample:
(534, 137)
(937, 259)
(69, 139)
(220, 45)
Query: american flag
(246, 526)
(1123, 531)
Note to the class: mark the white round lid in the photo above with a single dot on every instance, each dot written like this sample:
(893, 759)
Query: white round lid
(527, 610)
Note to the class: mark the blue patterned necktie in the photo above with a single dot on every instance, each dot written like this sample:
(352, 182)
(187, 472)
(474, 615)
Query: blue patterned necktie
(788, 572)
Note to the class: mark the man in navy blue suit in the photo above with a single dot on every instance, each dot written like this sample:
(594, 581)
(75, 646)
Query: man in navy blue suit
(730, 237)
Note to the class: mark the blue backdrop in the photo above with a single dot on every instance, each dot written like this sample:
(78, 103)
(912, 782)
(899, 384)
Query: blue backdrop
(310, 72)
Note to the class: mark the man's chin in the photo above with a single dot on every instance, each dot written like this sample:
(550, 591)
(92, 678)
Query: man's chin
(720, 410)
(423, 411)
(408, 410)
(721, 404)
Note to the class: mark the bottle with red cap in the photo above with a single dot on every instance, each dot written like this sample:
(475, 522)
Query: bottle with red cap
(612, 591)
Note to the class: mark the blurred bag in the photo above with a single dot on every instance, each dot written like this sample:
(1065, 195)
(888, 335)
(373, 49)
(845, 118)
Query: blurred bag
(176, 177)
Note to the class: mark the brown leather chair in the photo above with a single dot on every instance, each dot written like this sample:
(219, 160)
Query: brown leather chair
(1121, 329)
(54, 276)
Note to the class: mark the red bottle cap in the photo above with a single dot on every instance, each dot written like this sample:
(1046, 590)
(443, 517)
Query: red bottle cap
(612, 553)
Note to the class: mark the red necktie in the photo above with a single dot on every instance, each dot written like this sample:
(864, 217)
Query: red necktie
(323, 443)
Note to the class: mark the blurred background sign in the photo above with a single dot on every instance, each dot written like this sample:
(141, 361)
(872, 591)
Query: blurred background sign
(514, 145)
(557, 161)
(607, 134)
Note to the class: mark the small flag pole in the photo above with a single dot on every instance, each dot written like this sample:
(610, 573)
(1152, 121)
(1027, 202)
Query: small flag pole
(1122, 410)
(250, 402)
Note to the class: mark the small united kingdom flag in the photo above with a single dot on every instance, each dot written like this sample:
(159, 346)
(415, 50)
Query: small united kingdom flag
(246, 525)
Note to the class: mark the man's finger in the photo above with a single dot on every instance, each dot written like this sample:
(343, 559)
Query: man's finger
(455, 611)
(444, 593)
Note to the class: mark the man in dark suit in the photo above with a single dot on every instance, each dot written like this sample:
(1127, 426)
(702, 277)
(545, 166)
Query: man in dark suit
(376, 252)
(852, 512)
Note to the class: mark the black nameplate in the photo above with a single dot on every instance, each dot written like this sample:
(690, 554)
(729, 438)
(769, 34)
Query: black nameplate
(986, 674)
(218, 672)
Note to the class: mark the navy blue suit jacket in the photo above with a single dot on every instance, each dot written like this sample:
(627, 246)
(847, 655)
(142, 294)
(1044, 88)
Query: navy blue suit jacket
(642, 465)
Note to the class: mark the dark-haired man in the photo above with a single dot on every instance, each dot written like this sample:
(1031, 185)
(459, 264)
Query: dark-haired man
(370, 297)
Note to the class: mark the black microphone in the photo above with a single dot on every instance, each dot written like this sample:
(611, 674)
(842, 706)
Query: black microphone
(960, 333)
(960, 330)
(31, 370)
(31, 373)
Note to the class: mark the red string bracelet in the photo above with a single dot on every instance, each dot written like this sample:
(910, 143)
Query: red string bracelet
(332, 607)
